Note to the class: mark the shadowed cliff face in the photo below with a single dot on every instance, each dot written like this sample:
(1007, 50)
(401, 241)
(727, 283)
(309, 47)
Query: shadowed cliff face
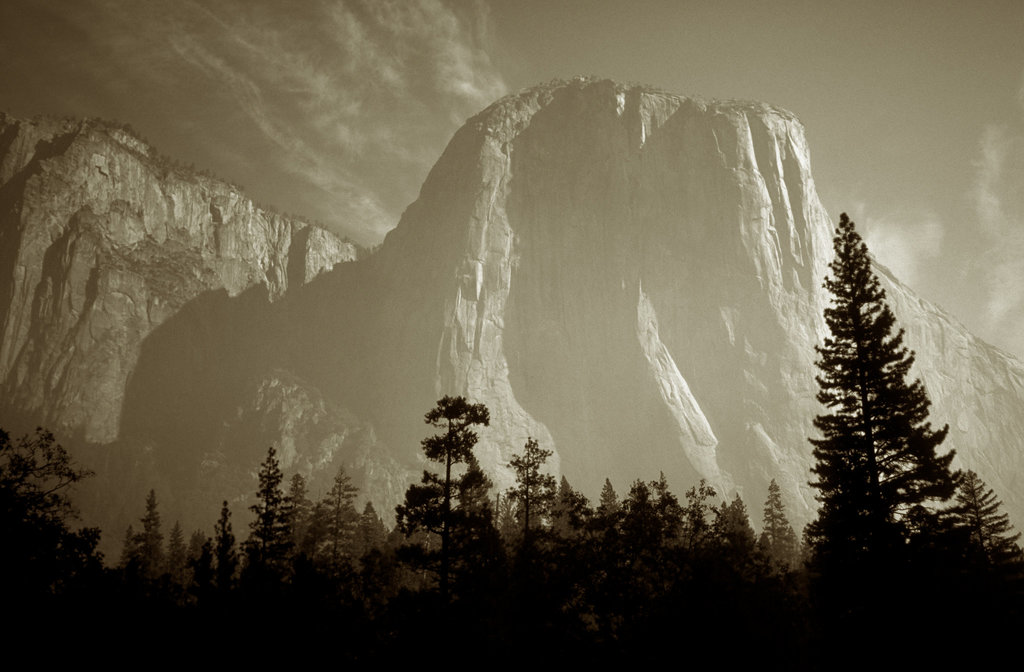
(635, 279)
(631, 277)
(135, 303)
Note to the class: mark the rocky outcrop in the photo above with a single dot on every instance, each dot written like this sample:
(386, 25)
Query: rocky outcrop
(102, 241)
(631, 277)
(635, 278)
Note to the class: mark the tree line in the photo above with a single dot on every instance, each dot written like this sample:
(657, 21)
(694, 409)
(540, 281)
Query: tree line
(901, 541)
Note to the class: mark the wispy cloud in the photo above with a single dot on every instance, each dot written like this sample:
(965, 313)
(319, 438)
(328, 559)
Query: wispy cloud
(337, 107)
(907, 242)
(359, 95)
(998, 198)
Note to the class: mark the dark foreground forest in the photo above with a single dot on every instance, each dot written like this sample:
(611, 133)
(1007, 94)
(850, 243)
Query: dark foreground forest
(908, 562)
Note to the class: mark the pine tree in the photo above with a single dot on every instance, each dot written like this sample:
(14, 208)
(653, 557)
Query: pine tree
(571, 511)
(372, 533)
(778, 542)
(300, 512)
(269, 545)
(150, 542)
(177, 555)
(991, 541)
(608, 504)
(876, 460)
(195, 544)
(225, 554)
(534, 491)
(697, 525)
(733, 531)
(607, 516)
(428, 507)
(130, 550)
(341, 520)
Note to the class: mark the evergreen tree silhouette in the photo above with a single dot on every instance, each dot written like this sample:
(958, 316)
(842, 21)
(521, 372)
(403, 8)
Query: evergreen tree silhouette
(778, 542)
(877, 459)
(991, 541)
(268, 548)
(428, 507)
(534, 491)
(150, 542)
(225, 553)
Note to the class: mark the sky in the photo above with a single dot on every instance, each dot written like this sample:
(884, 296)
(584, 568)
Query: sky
(335, 110)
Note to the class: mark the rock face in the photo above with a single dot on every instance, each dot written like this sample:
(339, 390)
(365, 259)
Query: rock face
(635, 278)
(629, 276)
(102, 244)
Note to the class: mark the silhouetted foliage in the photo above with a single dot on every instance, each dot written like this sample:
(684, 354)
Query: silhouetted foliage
(734, 534)
(300, 515)
(225, 553)
(877, 456)
(990, 539)
(177, 556)
(778, 542)
(534, 491)
(269, 545)
(570, 513)
(428, 507)
(151, 540)
(341, 521)
(697, 517)
(42, 556)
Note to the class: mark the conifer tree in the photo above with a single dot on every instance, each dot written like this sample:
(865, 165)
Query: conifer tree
(150, 542)
(609, 501)
(177, 555)
(224, 551)
(269, 544)
(341, 520)
(371, 533)
(571, 511)
(300, 512)
(130, 550)
(534, 491)
(778, 542)
(876, 459)
(991, 541)
(428, 507)
(195, 544)
(697, 523)
(733, 531)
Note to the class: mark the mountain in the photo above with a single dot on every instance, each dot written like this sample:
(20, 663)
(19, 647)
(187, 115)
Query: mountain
(629, 276)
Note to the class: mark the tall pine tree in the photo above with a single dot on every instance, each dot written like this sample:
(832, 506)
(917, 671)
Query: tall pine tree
(268, 548)
(428, 507)
(534, 491)
(876, 460)
(778, 541)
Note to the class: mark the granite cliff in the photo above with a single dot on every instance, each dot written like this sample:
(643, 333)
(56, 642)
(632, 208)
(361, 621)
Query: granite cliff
(629, 276)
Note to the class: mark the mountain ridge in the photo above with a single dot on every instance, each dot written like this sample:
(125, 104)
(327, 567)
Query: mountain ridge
(630, 276)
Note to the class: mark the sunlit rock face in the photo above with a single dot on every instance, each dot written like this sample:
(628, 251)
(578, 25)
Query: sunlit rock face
(631, 277)
(635, 278)
(105, 250)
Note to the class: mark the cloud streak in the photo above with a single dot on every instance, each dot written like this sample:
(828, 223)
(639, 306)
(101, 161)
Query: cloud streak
(337, 108)
(353, 92)
(998, 199)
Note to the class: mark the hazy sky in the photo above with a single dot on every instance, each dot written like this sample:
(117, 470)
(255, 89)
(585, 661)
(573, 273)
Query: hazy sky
(336, 110)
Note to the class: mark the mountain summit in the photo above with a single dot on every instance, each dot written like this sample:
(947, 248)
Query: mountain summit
(630, 277)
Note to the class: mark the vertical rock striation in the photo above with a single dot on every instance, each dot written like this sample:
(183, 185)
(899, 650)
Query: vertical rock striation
(631, 277)
(101, 241)
(636, 277)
